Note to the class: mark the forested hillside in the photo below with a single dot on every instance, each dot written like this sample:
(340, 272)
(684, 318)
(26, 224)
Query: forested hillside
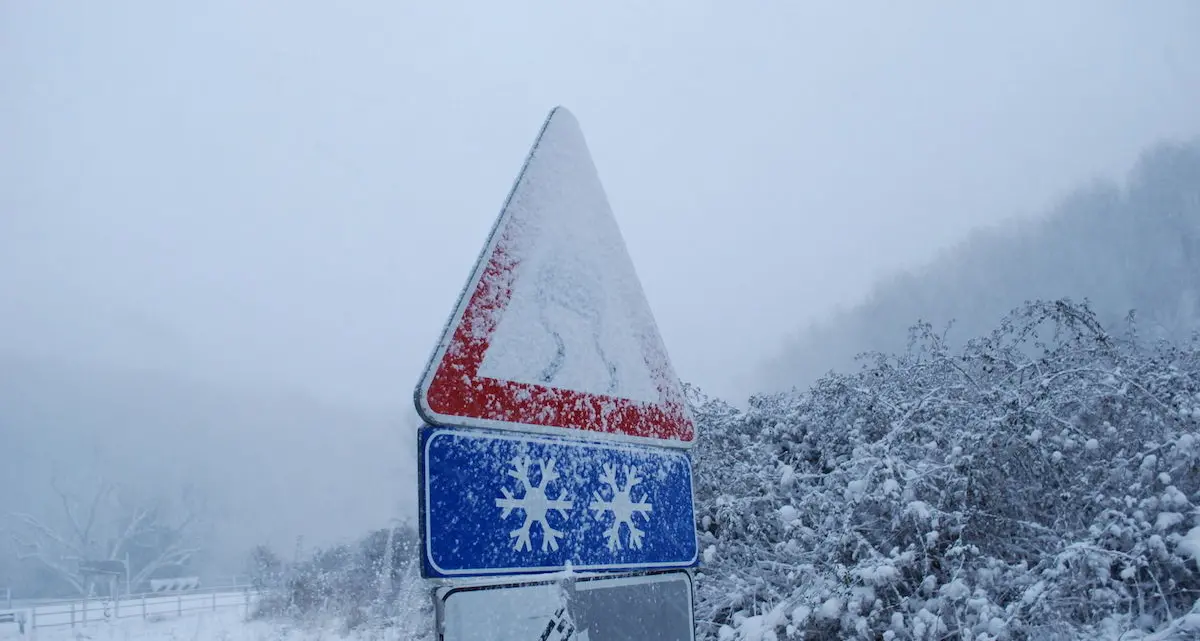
(1121, 246)
(1041, 482)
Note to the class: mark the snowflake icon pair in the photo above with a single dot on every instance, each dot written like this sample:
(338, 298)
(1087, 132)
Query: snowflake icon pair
(536, 504)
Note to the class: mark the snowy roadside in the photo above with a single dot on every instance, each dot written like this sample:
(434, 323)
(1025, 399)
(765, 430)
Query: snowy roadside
(217, 626)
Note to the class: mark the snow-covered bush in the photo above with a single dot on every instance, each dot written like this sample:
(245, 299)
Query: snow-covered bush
(1040, 483)
(359, 584)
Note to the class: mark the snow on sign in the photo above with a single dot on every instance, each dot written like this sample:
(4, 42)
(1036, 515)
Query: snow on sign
(502, 503)
(552, 332)
(645, 606)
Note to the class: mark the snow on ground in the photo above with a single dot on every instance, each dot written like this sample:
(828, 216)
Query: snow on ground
(48, 614)
(221, 625)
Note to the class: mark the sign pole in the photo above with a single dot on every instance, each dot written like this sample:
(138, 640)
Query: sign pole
(556, 433)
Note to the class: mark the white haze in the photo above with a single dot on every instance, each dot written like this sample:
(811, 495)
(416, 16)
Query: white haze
(282, 199)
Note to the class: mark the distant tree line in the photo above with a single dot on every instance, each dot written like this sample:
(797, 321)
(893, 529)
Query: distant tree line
(1122, 247)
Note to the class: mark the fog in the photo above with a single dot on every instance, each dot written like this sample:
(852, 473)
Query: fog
(269, 208)
(1126, 245)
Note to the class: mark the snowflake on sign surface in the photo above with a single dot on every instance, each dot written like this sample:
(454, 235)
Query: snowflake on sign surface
(622, 506)
(535, 503)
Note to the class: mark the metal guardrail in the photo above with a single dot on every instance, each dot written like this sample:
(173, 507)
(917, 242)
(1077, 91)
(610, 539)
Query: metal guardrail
(148, 606)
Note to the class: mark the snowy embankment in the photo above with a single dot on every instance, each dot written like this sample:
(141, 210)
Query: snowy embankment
(229, 622)
(152, 606)
(222, 625)
(1042, 483)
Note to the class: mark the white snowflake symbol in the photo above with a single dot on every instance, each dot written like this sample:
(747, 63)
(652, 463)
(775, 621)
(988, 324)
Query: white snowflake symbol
(534, 503)
(622, 506)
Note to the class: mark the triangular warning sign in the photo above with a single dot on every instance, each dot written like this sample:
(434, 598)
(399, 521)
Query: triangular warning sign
(553, 332)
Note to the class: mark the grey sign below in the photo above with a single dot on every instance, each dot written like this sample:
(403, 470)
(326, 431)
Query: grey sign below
(596, 608)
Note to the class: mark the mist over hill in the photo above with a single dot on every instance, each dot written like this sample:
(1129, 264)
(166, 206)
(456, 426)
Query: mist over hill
(1125, 246)
(266, 466)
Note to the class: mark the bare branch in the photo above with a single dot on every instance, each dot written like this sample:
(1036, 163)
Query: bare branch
(66, 503)
(134, 528)
(171, 557)
(38, 555)
(102, 492)
(46, 531)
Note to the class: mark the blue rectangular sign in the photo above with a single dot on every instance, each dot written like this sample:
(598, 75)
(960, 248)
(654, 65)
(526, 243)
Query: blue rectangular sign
(505, 503)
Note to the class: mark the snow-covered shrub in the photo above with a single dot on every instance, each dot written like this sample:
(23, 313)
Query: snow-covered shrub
(1041, 483)
(353, 583)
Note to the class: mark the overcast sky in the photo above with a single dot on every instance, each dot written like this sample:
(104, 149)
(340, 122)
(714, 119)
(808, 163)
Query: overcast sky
(292, 193)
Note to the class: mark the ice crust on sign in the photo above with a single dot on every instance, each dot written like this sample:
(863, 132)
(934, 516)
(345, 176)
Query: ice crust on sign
(577, 317)
(537, 504)
(502, 614)
(655, 607)
(553, 331)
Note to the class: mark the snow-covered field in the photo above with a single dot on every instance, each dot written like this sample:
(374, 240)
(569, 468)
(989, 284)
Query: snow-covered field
(70, 613)
(222, 625)
(228, 624)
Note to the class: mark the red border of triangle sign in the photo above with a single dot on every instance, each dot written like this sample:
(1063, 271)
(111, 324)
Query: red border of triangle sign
(453, 392)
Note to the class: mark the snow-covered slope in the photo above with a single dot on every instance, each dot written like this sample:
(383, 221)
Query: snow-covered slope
(222, 625)
(1042, 483)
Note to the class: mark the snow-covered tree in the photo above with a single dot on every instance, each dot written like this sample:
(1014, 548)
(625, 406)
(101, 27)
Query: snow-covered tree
(105, 522)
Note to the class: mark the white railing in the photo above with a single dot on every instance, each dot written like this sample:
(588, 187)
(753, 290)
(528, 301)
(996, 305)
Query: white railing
(151, 606)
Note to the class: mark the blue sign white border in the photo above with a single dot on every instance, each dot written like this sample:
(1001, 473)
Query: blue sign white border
(430, 569)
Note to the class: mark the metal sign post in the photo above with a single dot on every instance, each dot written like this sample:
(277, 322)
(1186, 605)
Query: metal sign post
(557, 432)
